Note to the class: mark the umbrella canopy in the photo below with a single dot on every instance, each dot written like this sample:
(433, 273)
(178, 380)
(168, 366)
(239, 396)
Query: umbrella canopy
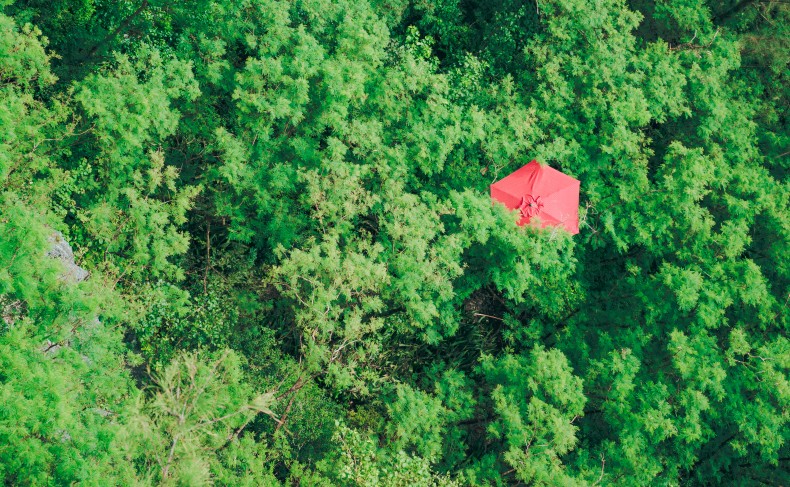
(541, 193)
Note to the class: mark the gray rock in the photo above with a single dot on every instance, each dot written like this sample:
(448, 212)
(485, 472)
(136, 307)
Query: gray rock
(61, 250)
(102, 412)
(83, 330)
(10, 310)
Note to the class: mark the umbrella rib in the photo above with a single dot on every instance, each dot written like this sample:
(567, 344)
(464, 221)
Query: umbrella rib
(547, 213)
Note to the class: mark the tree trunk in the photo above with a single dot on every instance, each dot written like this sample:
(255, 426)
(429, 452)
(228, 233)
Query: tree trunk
(124, 25)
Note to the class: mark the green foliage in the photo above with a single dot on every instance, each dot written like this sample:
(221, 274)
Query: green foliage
(197, 409)
(176, 321)
(282, 208)
(131, 206)
(60, 421)
(359, 462)
(536, 400)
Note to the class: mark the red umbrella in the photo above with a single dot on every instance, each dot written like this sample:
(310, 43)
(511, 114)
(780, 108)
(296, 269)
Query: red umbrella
(542, 193)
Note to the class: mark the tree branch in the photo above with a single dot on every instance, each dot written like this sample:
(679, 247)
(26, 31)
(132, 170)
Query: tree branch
(124, 25)
(733, 11)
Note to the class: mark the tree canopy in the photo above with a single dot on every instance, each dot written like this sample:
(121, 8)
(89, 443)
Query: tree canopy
(296, 276)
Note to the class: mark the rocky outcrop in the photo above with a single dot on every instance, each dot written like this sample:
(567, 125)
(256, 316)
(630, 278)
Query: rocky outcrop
(61, 250)
(72, 274)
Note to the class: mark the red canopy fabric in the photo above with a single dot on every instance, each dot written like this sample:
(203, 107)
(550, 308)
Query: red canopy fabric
(542, 193)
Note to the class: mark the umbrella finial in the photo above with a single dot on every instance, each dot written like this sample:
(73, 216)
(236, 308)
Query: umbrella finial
(530, 206)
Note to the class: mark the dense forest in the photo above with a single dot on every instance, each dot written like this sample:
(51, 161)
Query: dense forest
(287, 268)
